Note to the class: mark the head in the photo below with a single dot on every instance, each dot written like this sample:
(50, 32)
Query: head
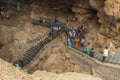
(106, 47)
(88, 43)
(92, 48)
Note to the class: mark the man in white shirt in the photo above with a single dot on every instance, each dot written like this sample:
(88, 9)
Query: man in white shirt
(105, 54)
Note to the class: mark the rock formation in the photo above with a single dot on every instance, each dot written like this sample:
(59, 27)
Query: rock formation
(19, 40)
(54, 58)
(8, 72)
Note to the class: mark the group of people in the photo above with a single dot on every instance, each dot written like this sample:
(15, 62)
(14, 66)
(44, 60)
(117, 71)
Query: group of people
(77, 38)
(54, 31)
(43, 20)
(3, 14)
(71, 18)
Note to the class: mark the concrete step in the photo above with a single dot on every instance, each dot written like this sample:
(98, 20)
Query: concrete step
(31, 56)
(30, 53)
(25, 61)
(32, 49)
(41, 43)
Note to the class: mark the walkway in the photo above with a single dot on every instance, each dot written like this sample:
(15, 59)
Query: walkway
(31, 53)
(110, 59)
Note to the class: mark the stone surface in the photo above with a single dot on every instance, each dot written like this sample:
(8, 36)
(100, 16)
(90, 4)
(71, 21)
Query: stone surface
(108, 13)
(55, 58)
(41, 75)
(8, 72)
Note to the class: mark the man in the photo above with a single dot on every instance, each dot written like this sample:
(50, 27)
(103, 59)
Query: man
(105, 53)
(92, 52)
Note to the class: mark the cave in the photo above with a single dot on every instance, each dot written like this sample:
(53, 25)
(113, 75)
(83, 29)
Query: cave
(61, 9)
(17, 43)
(20, 35)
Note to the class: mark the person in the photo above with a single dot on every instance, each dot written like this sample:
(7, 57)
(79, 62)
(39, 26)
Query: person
(70, 18)
(59, 30)
(41, 20)
(69, 42)
(7, 16)
(78, 29)
(105, 53)
(56, 19)
(85, 44)
(77, 40)
(44, 20)
(82, 35)
(81, 29)
(18, 6)
(87, 49)
(51, 32)
(70, 34)
(2, 14)
(92, 52)
(82, 42)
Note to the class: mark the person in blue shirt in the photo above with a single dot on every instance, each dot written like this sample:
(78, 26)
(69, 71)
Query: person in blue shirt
(69, 42)
(87, 49)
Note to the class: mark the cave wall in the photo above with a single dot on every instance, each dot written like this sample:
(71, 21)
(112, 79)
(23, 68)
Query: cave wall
(107, 13)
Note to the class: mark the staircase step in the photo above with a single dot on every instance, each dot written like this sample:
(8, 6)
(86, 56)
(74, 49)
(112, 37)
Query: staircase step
(30, 56)
(37, 47)
(30, 53)
(41, 43)
(32, 49)
(46, 40)
(28, 59)
(25, 61)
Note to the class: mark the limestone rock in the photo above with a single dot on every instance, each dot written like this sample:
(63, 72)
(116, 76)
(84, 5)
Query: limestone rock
(77, 68)
(64, 76)
(8, 72)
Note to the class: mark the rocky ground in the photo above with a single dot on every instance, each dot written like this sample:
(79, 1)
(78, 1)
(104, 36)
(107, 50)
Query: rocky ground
(8, 72)
(54, 58)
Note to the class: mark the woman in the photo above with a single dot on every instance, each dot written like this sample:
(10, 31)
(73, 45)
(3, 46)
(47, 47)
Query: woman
(77, 40)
